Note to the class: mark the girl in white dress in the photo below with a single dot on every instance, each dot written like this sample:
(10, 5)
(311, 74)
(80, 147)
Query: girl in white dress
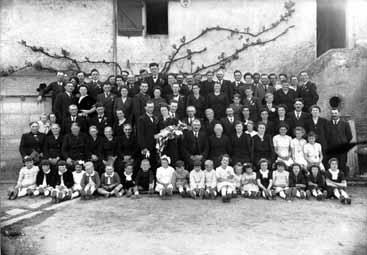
(225, 179)
(249, 183)
(297, 145)
(282, 145)
(77, 176)
(313, 151)
(165, 178)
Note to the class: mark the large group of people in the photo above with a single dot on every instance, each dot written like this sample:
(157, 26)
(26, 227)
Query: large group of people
(258, 135)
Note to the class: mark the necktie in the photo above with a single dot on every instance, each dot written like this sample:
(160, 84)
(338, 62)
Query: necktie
(298, 115)
(73, 119)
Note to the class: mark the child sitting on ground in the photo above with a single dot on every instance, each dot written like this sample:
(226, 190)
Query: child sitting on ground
(26, 180)
(46, 180)
(197, 178)
(225, 179)
(182, 179)
(316, 183)
(336, 184)
(265, 179)
(298, 183)
(64, 183)
(127, 181)
(144, 180)
(77, 177)
(281, 180)
(210, 180)
(90, 181)
(165, 176)
(110, 183)
(248, 181)
(238, 170)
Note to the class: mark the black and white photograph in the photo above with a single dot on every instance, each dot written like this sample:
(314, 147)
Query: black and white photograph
(201, 127)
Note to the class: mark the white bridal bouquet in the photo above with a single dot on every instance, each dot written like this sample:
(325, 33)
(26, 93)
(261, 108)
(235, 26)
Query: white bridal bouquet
(169, 133)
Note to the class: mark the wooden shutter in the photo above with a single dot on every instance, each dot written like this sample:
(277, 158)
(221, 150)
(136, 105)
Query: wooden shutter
(129, 17)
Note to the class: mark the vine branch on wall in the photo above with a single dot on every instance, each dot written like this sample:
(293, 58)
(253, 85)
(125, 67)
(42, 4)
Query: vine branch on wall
(174, 57)
(75, 64)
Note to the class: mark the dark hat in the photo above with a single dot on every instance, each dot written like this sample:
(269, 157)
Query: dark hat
(45, 162)
(27, 159)
(179, 163)
(78, 163)
(61, 163)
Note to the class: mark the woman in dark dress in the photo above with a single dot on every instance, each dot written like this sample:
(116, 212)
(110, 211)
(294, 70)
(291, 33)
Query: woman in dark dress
(158, 101)
(195, 99)
(282, 118)
(219, 144)
(31, 143)
(209, 122)
(218, 101)
(172, 145)
(262, 145)
(120, 121)
(241, 145)
(85, 103)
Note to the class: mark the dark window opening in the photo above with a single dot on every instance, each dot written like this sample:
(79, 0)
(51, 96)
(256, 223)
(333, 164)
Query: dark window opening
(331, 25)
(157, 17)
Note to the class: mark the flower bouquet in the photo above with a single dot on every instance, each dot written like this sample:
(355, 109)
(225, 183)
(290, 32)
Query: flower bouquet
(168, 133)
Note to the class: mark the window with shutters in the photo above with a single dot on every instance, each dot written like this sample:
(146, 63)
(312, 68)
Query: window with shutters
(130, 17)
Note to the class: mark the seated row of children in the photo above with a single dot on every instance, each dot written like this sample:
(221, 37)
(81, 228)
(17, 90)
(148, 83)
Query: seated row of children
(241, 180)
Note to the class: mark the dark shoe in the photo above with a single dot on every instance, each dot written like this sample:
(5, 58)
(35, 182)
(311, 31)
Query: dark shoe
(342, 199)
(308, 194)
(348, 200)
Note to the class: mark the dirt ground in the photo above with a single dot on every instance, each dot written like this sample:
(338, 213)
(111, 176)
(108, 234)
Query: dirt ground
(185, 226)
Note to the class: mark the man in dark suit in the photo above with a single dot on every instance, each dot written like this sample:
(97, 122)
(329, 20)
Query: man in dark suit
(180, 99)
(228, 122)
(140, 100)
(190, 116)
(225, 85)
(298, 118)
(31, 143)
(107, 99)
(75, 145)
(307, 91)
(339, 135)
(100, 120)
(52, 146)
(55, 87)
(95, 85)
(195, 145)
(262, 88)
(74, 117)
(285, 96)
(63, 101)
(124, 103)
(147, 126)
(237, 86)
(156, 78)
(249, 81)
(207, 86)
